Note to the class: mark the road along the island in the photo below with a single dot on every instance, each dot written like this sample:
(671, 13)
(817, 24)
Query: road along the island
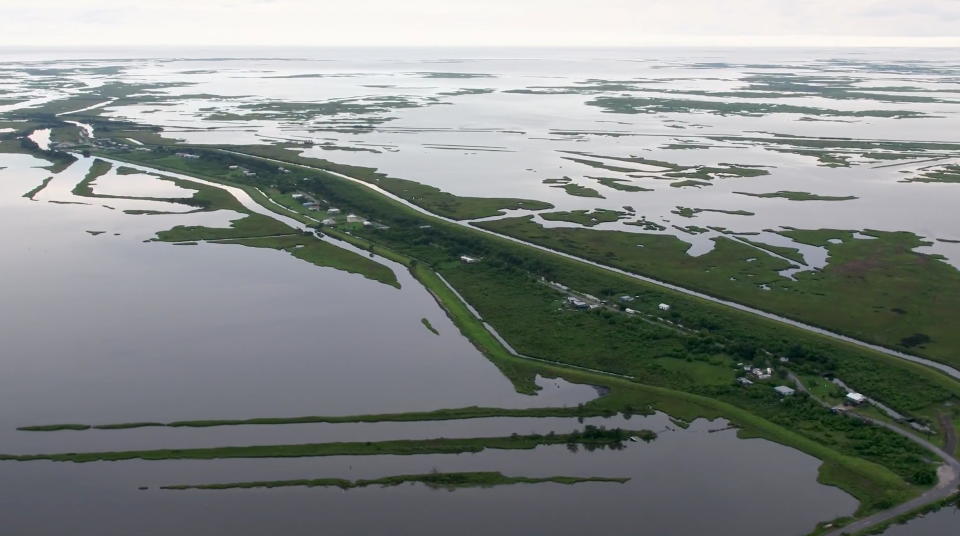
(946, 369)
(948, 474)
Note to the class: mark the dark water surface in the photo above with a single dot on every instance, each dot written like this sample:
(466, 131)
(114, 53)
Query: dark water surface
(107, 328)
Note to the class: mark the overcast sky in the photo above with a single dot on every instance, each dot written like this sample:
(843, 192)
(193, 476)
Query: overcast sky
(481, 22)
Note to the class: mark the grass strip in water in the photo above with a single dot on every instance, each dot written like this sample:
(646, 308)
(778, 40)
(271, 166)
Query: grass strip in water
(426, 323)
(471, 412)
(449, 481)
(590, 437)
(32, 193)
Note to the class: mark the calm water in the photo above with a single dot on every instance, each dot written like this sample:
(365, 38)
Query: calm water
(107, 328)
(501, 143)
(110, 328)
(723, 479)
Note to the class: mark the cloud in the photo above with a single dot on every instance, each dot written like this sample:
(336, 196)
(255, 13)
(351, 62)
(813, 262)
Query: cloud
(491, 22)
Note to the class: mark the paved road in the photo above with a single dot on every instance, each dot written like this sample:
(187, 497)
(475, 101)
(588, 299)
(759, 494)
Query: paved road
(946, 369)
(948, 482)
(948, 475)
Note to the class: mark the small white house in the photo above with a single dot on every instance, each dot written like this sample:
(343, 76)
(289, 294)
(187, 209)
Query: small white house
(664, 307)
(783, 390)
(188, 155)
(467, 259)
(855, 398)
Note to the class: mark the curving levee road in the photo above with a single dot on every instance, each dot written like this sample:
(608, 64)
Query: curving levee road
(946, 369)
(948, 475)
(947, 485)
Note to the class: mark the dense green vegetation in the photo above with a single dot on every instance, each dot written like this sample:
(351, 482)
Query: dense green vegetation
(890, 292)
(447, 481)
(589, 437)
(585, 217)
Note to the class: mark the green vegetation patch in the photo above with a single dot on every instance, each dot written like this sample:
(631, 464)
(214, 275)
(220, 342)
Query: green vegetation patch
(32, 193)
(799, 196)
(619, 184)
(98, 169)
(946, 173)
(426, 323)
(688, 212)
(689, 183)
(873, 279)
(578, 190)
(591, 435)
(591, 409)
(585, 217)
(321, 253)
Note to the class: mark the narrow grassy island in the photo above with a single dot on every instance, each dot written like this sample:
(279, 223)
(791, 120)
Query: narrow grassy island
(33, 193)
(595, 408)
(800, 196)
(448, 481)
(426, 323)
(578, 190)
(590, 437)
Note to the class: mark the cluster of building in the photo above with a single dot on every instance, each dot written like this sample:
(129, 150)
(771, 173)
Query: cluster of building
(246, 172)
(577, 303)
(757, 372)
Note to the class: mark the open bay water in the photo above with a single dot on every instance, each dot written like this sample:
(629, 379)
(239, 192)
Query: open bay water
(107, 328)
